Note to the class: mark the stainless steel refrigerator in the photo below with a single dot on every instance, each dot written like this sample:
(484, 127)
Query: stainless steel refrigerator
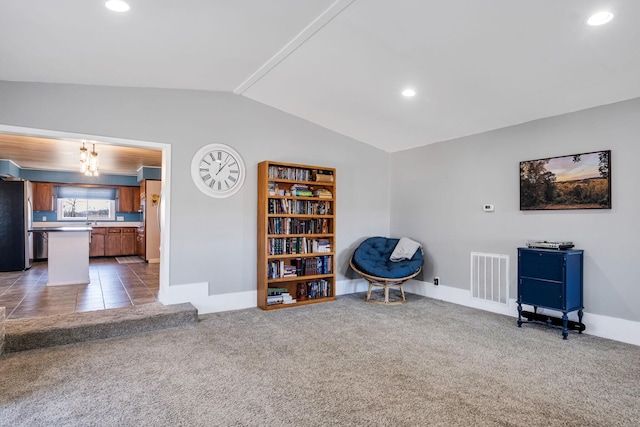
(16, 241)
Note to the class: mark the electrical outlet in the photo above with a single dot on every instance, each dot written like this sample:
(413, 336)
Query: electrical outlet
(436, 280)
(44, 218)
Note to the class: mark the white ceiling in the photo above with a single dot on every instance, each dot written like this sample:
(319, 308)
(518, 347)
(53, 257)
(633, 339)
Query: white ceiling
(476, 65)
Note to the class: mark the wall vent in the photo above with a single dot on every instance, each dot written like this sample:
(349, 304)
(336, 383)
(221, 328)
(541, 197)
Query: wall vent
(490, 277)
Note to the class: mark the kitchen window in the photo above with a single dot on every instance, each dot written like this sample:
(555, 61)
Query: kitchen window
(86, 203)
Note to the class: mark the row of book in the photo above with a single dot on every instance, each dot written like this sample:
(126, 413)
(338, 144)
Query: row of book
(304, 290)
(316, 289)
(298, 190)
(298, 226)
(299, 174)
(297, 245)
(299, 207)
(300, 267)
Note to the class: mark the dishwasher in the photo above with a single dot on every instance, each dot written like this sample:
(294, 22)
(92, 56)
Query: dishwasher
(41, 245)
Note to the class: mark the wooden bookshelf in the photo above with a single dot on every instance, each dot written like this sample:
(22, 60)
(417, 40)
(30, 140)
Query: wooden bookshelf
(296, 233)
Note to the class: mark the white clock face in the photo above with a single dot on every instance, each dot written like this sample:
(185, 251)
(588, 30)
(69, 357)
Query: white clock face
(217, 170)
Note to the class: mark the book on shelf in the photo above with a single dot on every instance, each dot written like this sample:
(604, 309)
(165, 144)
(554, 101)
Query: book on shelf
(276, 291)
(318, 289)
(322, 193)
(283, 298)
(289, 271)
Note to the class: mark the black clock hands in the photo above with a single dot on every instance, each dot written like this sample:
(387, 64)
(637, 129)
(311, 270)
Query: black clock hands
(224, 164)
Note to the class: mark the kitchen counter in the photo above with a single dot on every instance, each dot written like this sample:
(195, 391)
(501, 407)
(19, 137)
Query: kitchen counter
(56, 229)
(101, 224)
(68, 262)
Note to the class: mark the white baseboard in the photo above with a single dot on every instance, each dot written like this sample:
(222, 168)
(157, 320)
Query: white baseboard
(612, 328)
(344, 287)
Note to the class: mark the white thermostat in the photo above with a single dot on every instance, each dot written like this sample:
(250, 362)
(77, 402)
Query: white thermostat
(487, 208)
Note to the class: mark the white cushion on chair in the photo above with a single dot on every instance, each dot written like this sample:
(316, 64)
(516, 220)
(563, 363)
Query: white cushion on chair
(405, 249)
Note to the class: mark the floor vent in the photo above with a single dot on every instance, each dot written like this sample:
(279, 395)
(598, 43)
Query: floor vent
(490, 277)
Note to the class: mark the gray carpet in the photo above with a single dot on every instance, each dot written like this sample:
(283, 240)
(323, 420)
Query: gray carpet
(346, 362)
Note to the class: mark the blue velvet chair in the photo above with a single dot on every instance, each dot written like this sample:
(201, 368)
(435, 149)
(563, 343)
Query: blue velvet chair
(372, 260)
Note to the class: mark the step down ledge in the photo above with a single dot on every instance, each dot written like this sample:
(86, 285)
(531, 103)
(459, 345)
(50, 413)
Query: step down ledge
(41, 332)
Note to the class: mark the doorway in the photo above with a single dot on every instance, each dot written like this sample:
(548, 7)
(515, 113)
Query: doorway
(165, 177)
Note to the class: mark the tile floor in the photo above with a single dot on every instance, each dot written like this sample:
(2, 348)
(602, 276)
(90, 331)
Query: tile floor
(113, 285)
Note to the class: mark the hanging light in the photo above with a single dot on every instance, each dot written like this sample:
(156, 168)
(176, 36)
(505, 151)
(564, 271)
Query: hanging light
(83, 154)
(89, 161)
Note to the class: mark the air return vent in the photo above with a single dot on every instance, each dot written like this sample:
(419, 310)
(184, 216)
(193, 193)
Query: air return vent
(490, 277)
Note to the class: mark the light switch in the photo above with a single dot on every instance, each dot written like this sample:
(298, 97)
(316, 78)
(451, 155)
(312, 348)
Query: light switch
(487, 207)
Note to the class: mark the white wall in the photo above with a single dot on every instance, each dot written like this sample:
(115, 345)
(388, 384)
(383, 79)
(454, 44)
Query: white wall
(214, 240)
(438, 192)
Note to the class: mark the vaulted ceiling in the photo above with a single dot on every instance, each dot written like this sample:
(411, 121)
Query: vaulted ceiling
(475, 65)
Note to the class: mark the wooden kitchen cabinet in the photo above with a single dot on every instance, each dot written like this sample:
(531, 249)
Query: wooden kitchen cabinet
(114, 242)
(43, 196)
(136, 199)
(120, 241)
(128, 241)
(97, 244)
(128, 199)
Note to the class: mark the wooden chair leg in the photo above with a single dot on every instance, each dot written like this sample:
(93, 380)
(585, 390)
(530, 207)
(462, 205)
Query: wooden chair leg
(369, 291)
(402, 292)
(386, 294)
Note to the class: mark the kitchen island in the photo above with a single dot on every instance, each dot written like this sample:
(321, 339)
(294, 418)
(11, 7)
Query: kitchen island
(68, 262)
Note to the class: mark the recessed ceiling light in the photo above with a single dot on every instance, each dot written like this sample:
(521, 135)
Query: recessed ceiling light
(117, 5)
(600, 18)
(408, 93)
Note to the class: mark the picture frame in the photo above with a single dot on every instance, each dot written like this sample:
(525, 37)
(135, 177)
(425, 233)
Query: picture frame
(576, 181)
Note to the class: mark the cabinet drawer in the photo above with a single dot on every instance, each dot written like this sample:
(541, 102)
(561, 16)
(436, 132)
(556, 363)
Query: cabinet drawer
(97, 230)
(115, 230)
(541, 293)
(541, 265)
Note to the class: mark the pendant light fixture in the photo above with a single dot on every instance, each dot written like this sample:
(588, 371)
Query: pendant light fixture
(89, 161)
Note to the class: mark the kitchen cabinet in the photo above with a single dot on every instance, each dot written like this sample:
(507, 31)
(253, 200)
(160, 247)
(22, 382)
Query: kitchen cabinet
(120, 241)
(97, 243)
(136, 199)
(128, 241)
(43, 196)
(128, 199)
(114, 242)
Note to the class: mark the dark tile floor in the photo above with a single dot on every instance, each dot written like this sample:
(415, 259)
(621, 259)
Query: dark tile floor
(113, 285)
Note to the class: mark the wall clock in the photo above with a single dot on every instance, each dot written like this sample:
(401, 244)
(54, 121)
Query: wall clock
(217, 170)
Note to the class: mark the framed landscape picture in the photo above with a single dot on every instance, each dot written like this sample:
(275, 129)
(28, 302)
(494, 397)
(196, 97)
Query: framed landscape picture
(578, 181)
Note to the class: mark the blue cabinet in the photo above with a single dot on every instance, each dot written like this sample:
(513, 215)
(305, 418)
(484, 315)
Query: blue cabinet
(549, 278)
